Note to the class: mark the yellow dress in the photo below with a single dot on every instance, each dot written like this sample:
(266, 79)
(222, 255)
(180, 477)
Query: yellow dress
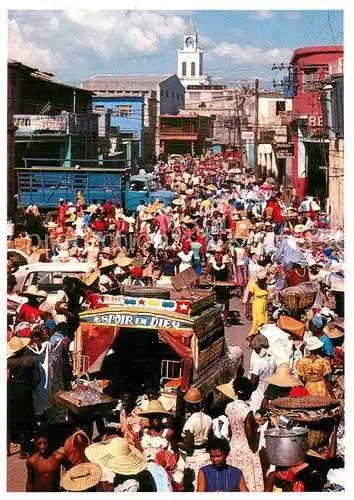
(314, 373)
(259, 307)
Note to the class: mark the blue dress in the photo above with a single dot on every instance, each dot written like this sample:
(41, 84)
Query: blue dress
(226, 479)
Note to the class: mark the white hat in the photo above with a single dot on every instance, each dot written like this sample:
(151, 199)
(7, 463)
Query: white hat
(312, 262)
(314, 343)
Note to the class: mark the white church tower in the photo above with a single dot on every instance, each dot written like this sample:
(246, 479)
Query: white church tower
(190, 59)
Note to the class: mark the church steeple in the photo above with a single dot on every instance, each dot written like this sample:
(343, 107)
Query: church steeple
(191, 29)
(190, 58)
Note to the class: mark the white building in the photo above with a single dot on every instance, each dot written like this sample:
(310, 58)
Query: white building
(190, 59)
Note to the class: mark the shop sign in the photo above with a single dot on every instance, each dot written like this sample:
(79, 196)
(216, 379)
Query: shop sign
(136, 321)
(315, 122)
(247, 136)
(285, 150)
(37, 123)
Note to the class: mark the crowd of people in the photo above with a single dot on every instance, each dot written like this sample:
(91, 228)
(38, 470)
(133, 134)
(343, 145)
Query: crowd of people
(243, 238)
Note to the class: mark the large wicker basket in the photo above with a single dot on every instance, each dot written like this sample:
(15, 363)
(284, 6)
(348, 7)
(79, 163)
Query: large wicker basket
(290, 297)
(318, 414)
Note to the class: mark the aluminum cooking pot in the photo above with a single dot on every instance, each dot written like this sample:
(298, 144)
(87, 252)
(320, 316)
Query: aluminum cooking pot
(287, 448)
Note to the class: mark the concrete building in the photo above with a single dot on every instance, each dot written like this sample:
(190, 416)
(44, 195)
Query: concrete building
(310, 67)
(137, 102)
(231, 110)
(334, 126)
(273, 152)
(49, 122)
(184, 133)
(190, 59)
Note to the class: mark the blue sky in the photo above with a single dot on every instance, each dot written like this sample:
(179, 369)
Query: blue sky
(242, 45)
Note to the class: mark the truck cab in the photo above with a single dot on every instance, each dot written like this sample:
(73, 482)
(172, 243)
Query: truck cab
(146, 188)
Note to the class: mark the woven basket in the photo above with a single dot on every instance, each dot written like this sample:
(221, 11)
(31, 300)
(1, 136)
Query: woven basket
(305, 403)
(306, 300)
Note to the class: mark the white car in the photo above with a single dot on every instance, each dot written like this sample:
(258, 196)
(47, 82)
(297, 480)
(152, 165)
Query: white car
(49, 277)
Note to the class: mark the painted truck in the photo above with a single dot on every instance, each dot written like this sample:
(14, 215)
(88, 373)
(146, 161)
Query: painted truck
(177, 341)
(45, 185)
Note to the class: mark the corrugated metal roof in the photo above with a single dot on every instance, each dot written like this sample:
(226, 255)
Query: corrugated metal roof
(142, 82)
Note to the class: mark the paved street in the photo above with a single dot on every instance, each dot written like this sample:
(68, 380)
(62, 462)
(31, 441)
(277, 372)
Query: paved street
(236, 334)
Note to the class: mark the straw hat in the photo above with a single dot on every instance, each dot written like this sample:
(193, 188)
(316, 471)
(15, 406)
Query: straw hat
(82, 477)
(283, 378)
(177, 201)
(187, 220)
(334, 331)
(118, 456)
(89, 278)
(155, 407)
(42, 294)
(211, 187)
(72, 251)
(314, 343)
(122, 260)
(106, 263)
(193, 395)
(16, 344)
(146, 217)
(31, 290)
(227, 389)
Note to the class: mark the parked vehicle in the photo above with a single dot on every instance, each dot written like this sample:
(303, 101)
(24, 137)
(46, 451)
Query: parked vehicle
(45, 185)
(18, 257)
(49, 277)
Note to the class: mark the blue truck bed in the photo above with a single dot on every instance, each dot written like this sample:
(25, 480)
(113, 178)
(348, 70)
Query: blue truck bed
(45, 185)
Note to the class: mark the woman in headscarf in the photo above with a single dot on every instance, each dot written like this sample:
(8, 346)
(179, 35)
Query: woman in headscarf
(258, 291)
(315, 370)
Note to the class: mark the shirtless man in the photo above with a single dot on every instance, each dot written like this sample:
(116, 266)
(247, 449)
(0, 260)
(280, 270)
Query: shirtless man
(43, 468)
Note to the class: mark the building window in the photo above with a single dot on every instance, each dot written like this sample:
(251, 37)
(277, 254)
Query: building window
(166, 93)
(194, 96)
(280, 106)
(310, 79)
(177, 96)
(173, 95)
(193, 69)
(184, 69)
(124, 110)
(161, 93)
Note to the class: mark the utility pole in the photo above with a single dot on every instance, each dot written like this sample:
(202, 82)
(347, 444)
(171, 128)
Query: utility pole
(256, 86)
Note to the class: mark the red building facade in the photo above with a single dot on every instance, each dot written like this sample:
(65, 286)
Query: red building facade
(310, 70)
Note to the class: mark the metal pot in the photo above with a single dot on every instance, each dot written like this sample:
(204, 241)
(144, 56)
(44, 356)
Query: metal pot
(286, 448)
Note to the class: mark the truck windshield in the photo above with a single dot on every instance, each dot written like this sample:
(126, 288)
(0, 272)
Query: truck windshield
(143, 186)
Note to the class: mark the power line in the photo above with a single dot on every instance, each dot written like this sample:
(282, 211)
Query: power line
(330, 25)
(308, 28)
(320, 33)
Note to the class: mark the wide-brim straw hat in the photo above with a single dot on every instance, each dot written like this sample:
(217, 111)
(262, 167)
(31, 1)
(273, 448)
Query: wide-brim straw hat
(155, 407)
(177, 201)
(227, 389)
(89, 278)
(187, 220)
(16, 344)
(106, 263)
(31, 290)
(122, 260)
(283, 378)
(334, 331)
(81, 477)
(313, 344)
(146, 217)
(211, 187)
(118, 456)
